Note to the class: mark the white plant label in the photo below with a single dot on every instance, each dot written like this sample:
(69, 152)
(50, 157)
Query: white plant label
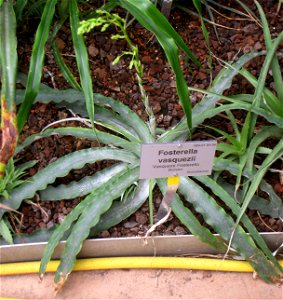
(177, 159)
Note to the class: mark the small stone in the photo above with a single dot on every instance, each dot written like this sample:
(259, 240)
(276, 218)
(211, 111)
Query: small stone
(62, 115)
(159, 119)
(202, 75)
(42, 225)
(141, 218)
(60, 44)
(169, 232)
(105, 234)
(180, 230)
(258, 46)
(278, 188)
(167, 119)
(92, 50)
(146, 60)
(49, 224)
(61, 218)
(156, 107)
(130, 224)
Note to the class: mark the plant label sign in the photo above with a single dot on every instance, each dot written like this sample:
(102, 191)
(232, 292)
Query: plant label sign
(177, 159)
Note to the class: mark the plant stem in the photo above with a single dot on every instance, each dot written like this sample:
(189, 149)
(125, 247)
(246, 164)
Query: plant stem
(139, 74)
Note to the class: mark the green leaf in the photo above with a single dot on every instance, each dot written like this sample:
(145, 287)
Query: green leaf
(19, 7)
(215, 216)
(73, 99)
(5, 232)
(148, 16)
(271, 158)
(64, 68)
(127, 115)
(83, 133)
(151, 18)
(99, 202)
(171, 51)
(38, 236)
(61, 168)
(230, 138)
(191, 222)
(273, 206)
(264, 134)
(270, 101)
(275, 67)
(222, 82)
(83, 187)
(36, 62)
(115, 122)
(120, 210)
(262, 78)
(8, 55)
(232, 204)
(82, 59)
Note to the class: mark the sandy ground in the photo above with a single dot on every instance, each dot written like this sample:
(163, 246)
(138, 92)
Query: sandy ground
(142, 284)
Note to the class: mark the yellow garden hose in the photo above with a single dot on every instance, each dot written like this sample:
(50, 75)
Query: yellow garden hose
(134, 263)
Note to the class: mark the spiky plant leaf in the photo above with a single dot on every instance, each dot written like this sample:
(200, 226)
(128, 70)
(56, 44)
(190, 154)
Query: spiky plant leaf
(216, 217)
(232, 204)
(89, 213)
(60, 168)
(120, 210)
(275, 154)
(222, 82)
(83, 133)
(191, 222)
(273, 206)
(83, 187)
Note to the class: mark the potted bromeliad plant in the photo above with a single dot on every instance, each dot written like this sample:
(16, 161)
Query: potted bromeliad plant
(101, 209)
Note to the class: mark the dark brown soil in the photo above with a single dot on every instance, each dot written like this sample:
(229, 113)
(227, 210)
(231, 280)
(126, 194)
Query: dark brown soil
(237, 37)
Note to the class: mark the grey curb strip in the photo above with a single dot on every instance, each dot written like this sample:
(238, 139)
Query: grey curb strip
(181, 245)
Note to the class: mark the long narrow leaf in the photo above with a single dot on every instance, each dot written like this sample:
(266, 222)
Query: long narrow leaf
(262, 78)
(151, 18)
(83, 187)
(83, 133)
(100, 203)
(216, 217)
(73, 99)
(231, 203)
(275, 67)
(273, 206)
(82, 59)
(36, 62)
(8, 62)
(120, 210)
(222, 82)
(19, 7)
(271, 158)
(67, 74)
(148, 15)
(270, 101)
(191, 222)
(60, 168)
